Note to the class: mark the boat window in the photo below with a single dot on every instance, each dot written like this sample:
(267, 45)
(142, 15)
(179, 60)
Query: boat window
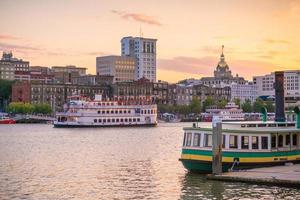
(233, 141)
(112, 120)
(291, 124)
(141, 111)
(184, 138)
(107, 112)
(280, 141)
(130, 119)
(262, 125)
(104, 120)
(264, 142)
(148, 111)
(121, 119)
(254, 142)
(108, 120)
(243, 126)
(295, 138)
(112, 112)
(271, 125)
(107, 104)
(95, 120)
(134, 119)
(116, 111)
(273, 141)
(126, 120)
(281, 125)
(151, 111)
(98, 111)
(103, 111)
(189, 139)
(128, 111)
(120, 112)
(111, 103)
(251, 125)
(117, 120)
(138, 119)
(245, 142)
(223, 141)
(125, 111)
(99, 120)
(208, 140)
(287, 140)
(196, 142)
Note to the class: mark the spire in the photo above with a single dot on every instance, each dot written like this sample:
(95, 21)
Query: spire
(222, 58)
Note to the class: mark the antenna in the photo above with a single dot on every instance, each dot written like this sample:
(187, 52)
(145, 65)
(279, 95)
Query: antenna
(141, 33)
(222, 48)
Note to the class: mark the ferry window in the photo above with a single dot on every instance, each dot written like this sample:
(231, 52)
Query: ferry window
(262, 125)
(243, 126)
(138, 119)
(104, 120)
(151, 111)
(120, 112)
(99, 120)
(107, 104)
(112, 112)
(126, 120)
(208, 140)
(116, 111)
(196, 142)
(124, 111)
(128, 111)
(295, 138)
(223, 141)
(98, 111)
(273, 141)
(264, 142)
(107, 112)
(280, 141)
(148, 111)
(121, 119)
(103, 111)
(111, 103)
(251, 125)
(287, 140)
(254, 142)
(189, 139)
(245, 142)
(108, 120)
(233, 139)
(184, 137)
(130, 119)
(117, 120)
(112, 120)
(142, 111)
(95, 120)
(134, 119)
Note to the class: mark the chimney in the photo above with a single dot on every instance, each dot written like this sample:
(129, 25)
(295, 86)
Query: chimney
(279, 96)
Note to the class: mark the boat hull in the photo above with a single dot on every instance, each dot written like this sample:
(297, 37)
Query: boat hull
(200, 161)
(101, 126)
(7, 121)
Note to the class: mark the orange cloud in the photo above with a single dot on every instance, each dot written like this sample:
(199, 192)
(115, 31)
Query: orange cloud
(273, 41)
(9, 37)
(138, 17)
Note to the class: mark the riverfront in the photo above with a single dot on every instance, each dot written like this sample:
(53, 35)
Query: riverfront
(40, 162)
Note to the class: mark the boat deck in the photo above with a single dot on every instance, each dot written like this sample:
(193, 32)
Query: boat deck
(288, 176)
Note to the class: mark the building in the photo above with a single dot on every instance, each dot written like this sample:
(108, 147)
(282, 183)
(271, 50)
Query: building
(66, 74)
(122, 68)
(160, 92)
(55, 95)
(244, 92)
(144, 51)
(222, 75)
(93, 80)
(10, 66)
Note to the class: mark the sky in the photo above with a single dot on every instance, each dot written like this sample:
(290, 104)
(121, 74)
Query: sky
(259, 36)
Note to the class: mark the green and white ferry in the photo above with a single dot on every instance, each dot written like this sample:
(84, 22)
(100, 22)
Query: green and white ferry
(244, 145)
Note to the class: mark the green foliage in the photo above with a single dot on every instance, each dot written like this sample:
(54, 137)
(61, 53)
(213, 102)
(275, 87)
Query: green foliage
(195, 106)
(246, 106)
(5, 88)
(209, 101)
(222, 103)
(269, 106)
(27, 108)
(258, 104)
(237, 102)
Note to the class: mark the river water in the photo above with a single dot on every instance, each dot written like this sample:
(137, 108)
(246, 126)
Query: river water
(41, 162)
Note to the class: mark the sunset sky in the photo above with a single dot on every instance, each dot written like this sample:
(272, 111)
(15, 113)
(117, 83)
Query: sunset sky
(259, 36)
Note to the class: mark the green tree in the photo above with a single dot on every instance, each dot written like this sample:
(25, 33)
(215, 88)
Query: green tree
(258, 104)
(237, 102)
(270, 106)
(246, 106)
(209, 101)
(42, 108)
(222, 103)
(195, 106)
(20, 108)
(5, 92)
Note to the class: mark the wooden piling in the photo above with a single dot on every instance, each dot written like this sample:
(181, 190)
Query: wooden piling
(217, 148)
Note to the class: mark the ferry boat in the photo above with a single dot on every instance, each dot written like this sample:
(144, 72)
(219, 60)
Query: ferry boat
(6, 120)
(244, 145)
(231, 112)
(83, 112)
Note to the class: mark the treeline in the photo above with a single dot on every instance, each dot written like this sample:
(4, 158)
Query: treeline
(27, 108)
(196, 107)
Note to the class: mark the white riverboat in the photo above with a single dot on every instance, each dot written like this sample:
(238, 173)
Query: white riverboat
(82, 112)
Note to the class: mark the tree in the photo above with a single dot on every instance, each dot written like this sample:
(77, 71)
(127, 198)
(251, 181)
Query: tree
(20, 108)
(5, 92)
(258, 104)
(209, 101)
(237, 102)
(222, 103)
(42, 108)
(270, 106)
(195, 106)
(246, 106)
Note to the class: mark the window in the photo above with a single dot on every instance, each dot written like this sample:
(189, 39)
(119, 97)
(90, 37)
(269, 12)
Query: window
(95, 120)
(121, 119)
(287, 140)
(112, 112)
(138, 119)
(120, 111)
(113, 120)
(126, 120)
(124, 111)
(223, 141)
(104, 120)
(233, 141)
(108, 120)
(107, 112)
(273, 141)
(130, 120)
(208, 140)
(280, 141)
(117, 120)
(134, 119)
(184, 138)
(264, 142)
(189, 139)
(196, 142)
(103, 111)
(245, 142)
(128, 111)
(98, 111)
(254, 142)
(99, 120)
(116, 111)
(295, 138)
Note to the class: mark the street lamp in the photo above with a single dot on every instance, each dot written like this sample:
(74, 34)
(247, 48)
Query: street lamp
(197, 119)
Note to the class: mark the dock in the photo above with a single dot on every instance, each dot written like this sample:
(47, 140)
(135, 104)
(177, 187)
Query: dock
(287, 176)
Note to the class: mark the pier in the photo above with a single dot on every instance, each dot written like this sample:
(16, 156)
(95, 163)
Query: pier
(287, 175)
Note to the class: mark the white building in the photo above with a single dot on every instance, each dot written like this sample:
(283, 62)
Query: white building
(144, 51)
(265, 84)
(244, 92)
(122, 68)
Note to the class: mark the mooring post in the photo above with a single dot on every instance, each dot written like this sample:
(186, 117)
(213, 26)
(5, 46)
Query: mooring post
(217, 147)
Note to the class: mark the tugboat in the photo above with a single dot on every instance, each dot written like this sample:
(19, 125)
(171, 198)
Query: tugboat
(83, 112)
(246, 144)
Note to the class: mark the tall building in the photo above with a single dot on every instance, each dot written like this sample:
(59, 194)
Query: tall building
(144, 51)
(122, 68)
(244, 92)
(66, 74)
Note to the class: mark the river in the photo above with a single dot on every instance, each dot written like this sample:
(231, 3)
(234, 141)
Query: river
(38, 161)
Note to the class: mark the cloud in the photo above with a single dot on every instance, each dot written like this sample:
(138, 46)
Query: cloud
(205, 66)
(13, 47)
(96, 53)
(138, 17)
(9, 37)
(278, 41)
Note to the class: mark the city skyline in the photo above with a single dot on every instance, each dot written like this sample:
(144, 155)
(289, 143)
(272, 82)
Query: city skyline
(73, 32)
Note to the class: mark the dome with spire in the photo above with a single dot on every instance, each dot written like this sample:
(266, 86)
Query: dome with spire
(222, 70)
